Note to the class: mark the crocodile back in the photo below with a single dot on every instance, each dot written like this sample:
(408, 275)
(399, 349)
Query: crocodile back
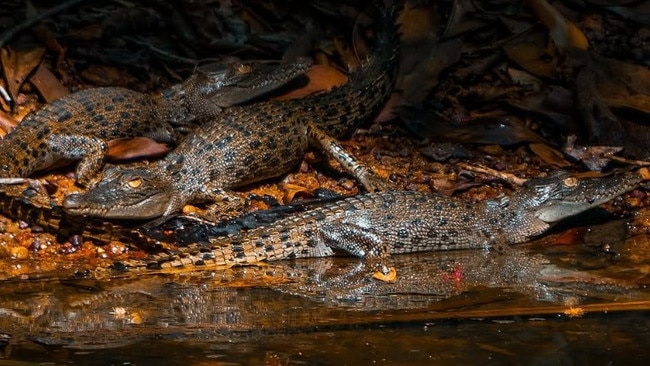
(343, 109)
(106, 113)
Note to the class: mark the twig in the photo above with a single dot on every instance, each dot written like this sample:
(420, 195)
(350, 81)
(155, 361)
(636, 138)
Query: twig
(628, 161)
(510, 178)
(27, 23)
(12, 181)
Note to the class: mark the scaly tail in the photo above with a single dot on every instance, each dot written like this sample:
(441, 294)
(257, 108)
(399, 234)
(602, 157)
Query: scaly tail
(340, 111)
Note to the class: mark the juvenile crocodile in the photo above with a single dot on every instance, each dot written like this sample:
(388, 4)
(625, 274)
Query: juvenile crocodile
(79, 125)
(381, 223)
(22, 203)
(370, 225)
(249, 144)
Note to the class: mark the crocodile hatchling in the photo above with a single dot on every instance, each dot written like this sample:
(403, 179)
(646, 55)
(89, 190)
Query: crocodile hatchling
(79, 125)
(381, 223)
(370, 225)
(249, 144)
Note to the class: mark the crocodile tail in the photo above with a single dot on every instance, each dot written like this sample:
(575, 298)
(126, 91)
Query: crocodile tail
(369, 87)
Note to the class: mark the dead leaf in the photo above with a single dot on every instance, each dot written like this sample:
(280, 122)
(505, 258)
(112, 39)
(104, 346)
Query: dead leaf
(43, 32)
(549, 155)
(17, 65)
(594, 157)
(293, 190)
(138, 147)
(462, 19)
(7, 123)
(564, 33)
(531, 57)
(418, 22)
(321, 78)
(421, 67)
(623, 84)
(388, 111)
(47, 84)
(553, 102)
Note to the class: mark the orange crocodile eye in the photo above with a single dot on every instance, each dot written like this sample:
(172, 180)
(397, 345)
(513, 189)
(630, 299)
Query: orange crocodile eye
(244, 69)
(135, 182)
(570, 182)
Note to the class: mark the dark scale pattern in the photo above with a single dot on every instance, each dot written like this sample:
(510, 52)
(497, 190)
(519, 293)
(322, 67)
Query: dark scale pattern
(352, 224)
(259, 141)
(111, 113)
(79, 116)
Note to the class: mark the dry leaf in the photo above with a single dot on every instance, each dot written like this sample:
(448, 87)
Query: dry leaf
(321, 78)
(549, 155)
(7, 123)
(17, 65)
(291, 190)
(564, 33)
(532, 57)
(48, 85)
(138, 147)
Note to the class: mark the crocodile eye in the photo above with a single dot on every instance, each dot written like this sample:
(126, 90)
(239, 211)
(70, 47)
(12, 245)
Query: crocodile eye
(134, 182)
(244, 69)
(570, 182)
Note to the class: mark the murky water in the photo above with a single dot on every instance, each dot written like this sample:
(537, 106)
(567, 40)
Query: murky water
(603, 338)
(559, 304)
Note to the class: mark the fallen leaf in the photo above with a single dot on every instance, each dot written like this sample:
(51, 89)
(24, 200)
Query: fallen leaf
(321, 78)
(531, 57)
(17, 65)
(594, 157)
(47, 84)
(138, 147)
(389, 277)
(7, 123)
(417, 22)
(549, 155)
(564, 33)
(292, 190)
(387, 113)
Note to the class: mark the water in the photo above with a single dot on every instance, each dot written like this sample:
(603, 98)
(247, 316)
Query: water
(537, 304)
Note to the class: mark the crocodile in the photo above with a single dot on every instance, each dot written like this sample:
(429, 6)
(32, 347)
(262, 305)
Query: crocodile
(23, 203)
(249, 144)
(79, 125)
(375, 225)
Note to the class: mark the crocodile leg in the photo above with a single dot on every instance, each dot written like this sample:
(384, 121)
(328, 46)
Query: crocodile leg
(361, 241)
(224, 204)
(330, 146)
(91, 150)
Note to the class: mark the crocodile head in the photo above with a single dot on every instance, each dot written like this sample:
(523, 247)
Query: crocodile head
(228, 84)
(126, 193)
(224, 84)
(544, 201)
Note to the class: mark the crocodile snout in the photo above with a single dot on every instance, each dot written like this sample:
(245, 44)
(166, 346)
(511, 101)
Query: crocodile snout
(72, 201)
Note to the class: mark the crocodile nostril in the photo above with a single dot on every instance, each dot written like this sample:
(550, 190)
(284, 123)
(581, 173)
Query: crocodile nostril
(72, 201)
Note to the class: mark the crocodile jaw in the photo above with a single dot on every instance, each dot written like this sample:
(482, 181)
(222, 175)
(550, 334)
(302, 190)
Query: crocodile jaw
(148, 208)
(588, 193)
(127, 193)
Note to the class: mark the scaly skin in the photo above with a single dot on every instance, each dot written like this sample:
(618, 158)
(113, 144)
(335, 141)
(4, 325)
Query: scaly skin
(248, 144)
(79, 125)
(18, 203)
(378, 224)
(372, 225)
